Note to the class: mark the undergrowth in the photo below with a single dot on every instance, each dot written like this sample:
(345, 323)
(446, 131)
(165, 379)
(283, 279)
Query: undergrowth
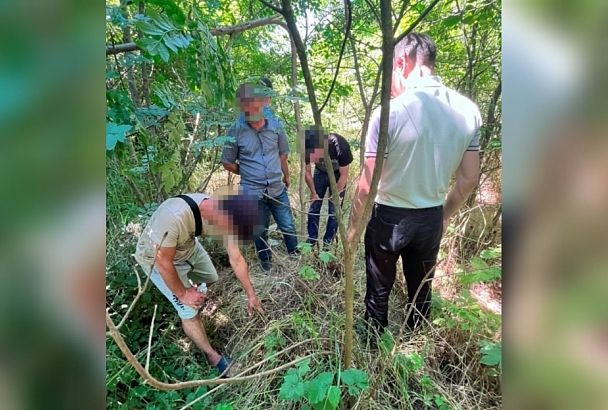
(453, 362)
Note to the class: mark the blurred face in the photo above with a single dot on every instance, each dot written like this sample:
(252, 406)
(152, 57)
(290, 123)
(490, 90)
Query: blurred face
(316, 154)
(220, 223)
(252, 107)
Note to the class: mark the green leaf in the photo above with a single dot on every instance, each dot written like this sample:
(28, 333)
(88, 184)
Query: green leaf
(305, 248)
(355, 380)
(292, 387)
(149, 28)
(333, 396)
(387, 342)
(303, 367)
(491, 353)
(326, 256)
(317, 387)
(116, 133)
(452, 21)
(414, 362)
(164, 52)
(492, 253)
(478, 263)
(224, 406)
(308, 273)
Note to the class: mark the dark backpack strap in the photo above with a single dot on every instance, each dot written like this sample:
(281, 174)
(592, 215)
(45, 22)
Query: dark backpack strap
(196, 212)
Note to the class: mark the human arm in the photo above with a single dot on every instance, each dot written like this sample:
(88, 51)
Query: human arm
(309, 181)
(242, 274)
(361, 195)
(230, 153)
(467, 177)
(285, 169)
(166, 268)
(341, 183)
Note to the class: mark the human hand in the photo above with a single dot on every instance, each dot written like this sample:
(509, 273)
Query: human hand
(314, 197)
(193, 298)
(253, 303)
(286, 181)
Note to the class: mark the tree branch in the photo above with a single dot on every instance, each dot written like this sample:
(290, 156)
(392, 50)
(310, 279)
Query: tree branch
(152, 381)
(218, 31)
(272, 7)
(418, 20)
(348, 15)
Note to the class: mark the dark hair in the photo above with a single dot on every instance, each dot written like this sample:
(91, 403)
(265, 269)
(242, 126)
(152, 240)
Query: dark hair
(244, 213)
(265, 81)
(419, 47)
(313, 139)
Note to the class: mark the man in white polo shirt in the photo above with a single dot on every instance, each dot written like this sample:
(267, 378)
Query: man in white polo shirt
(432, 135)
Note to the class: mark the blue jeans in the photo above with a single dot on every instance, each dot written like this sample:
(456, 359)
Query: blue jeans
(321, 181)
(281, 212)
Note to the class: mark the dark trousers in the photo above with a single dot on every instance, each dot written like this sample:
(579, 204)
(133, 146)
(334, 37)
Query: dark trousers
(321, 181)
(413, 234)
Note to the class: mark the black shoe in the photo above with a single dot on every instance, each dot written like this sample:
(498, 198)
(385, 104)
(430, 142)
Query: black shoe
(266, 265)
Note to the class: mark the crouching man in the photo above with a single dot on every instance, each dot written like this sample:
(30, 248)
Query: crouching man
(181, 268)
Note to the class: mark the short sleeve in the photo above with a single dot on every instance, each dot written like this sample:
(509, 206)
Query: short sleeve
(231, 148)
(345, 156)
(164, 223)
(283, 143)
(474, 144)
(371, 141)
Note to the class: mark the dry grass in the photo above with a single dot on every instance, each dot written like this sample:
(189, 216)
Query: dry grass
(298, 310)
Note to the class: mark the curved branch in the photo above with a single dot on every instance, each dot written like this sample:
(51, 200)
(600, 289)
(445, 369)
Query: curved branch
(415, 23)
(218, 31)
(271, 7)
(349, 15)
(152, 381)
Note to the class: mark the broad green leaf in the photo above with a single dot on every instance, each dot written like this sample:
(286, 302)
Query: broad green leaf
(308, 273)
(478, 263)
(492, 253)
(303, 367)
(305, 248)
(491, 353)
(326, 256)
(414, 362)
(292, 387)
(317, 387)
(355, 380)
(163, 52)
(116, 133)
(452, 21)
(333, 396)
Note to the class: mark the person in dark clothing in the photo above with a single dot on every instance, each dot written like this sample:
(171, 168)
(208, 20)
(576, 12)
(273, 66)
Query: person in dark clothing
(341, 157)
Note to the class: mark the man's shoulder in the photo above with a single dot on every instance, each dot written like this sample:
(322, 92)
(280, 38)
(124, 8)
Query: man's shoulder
(339, 140)
(464, 103)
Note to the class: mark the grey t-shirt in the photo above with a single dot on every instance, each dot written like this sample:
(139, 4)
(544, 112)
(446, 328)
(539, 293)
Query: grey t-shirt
(430, 128)
(258, 153)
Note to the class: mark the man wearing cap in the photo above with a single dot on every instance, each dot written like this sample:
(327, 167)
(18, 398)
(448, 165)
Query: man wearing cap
(258, 153)
(181, 268)
(341, 157)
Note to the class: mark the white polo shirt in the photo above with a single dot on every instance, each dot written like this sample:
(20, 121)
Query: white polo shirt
(430, 128)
